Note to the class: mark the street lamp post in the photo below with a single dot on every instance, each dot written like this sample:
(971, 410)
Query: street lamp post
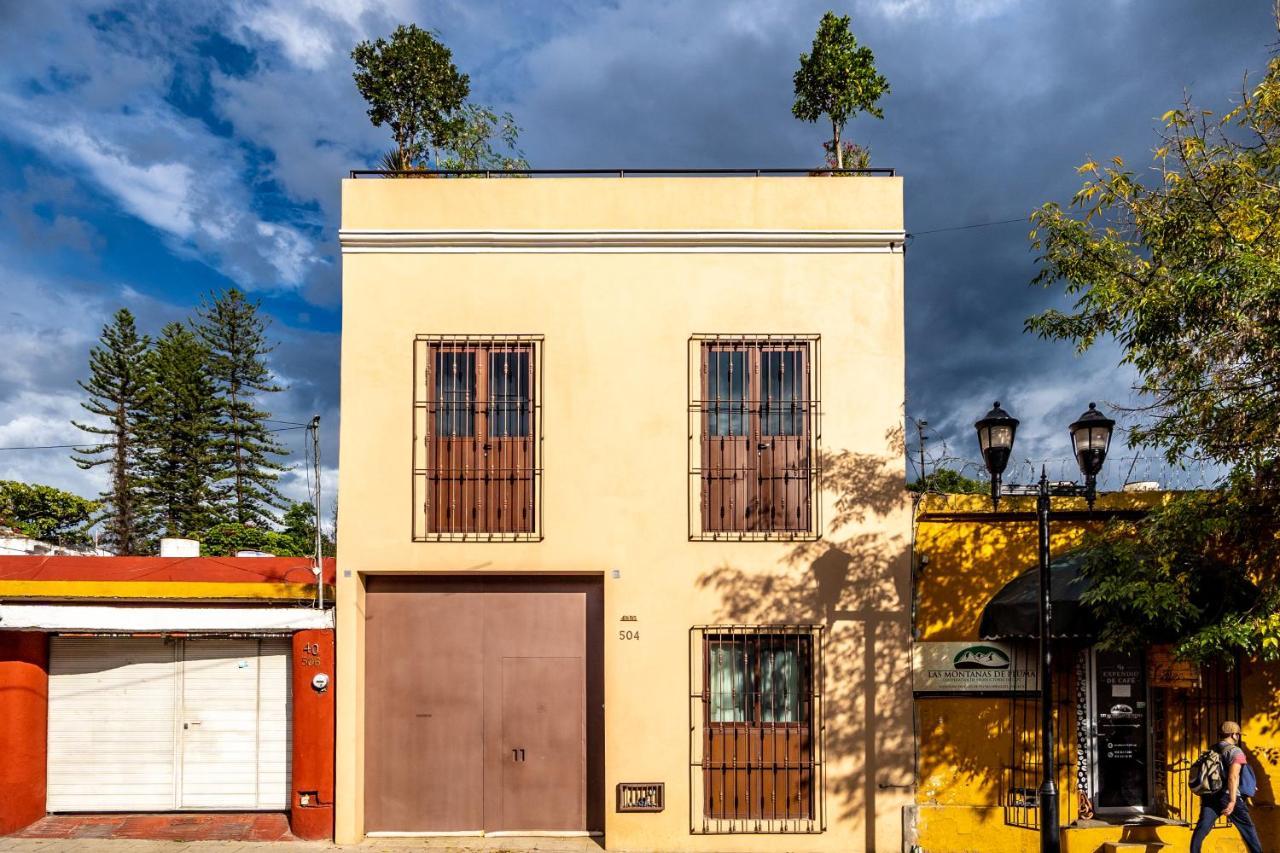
(1090, 439)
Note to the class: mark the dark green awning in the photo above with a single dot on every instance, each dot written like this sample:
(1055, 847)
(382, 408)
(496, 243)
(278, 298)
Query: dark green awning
(1014, 611)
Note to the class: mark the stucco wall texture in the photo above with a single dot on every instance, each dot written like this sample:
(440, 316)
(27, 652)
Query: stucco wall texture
(616, 443)
(24, 718)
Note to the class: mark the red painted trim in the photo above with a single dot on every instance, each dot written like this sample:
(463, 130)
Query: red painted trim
(216, 569)
(24, 727)
(313, 735)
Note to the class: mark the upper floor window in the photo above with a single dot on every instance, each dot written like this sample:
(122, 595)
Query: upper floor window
(754, 417)
(476, 468)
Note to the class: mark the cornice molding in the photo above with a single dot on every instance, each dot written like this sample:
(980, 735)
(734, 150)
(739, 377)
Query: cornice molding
(356, 241)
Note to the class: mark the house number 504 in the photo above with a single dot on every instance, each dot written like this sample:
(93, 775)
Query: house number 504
(629, 635)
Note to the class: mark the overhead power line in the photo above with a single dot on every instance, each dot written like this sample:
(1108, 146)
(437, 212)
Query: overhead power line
(90, 443)
(967, 227)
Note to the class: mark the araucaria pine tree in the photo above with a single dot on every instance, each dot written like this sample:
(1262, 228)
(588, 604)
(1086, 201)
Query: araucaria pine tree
(179, 416)
(244, 450)
(118, 380)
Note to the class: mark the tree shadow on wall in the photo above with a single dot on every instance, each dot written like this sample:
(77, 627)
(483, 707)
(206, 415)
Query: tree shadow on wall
(854, 581)
(967, 744)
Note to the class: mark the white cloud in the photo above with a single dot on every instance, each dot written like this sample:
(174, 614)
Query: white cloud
(95, 102)
(157, 193)
(965, 11)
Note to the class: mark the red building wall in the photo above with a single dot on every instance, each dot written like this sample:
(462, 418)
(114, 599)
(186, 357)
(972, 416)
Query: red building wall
(24, 723)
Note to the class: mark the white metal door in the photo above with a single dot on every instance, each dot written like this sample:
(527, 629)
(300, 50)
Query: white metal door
(275, 724)
(112, 733)
(147, 724)
(235, 724)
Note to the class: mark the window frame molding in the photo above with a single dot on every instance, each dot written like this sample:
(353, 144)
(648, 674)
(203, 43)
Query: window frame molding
(700, 409)
(420, 429)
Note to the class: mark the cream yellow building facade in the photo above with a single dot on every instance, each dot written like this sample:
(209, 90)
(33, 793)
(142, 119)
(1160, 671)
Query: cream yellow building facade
(565, 617)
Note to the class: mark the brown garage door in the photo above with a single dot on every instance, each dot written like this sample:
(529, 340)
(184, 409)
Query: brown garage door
(483, 705)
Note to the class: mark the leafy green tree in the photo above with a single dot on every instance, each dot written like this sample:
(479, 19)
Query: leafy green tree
(47, 513)
(178, 420)
(297, 538)
(118, 381)
(948, 482)
(224, 540)
(244, 451)
(300, 526)
(1183, 270)
(481, 135)
(412, 86)
(837, 79)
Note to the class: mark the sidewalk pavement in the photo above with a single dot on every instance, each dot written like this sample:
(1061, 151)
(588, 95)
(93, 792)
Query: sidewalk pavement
(372, 845)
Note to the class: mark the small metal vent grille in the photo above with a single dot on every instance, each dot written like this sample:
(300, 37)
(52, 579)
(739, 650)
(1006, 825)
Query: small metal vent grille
(642, 796)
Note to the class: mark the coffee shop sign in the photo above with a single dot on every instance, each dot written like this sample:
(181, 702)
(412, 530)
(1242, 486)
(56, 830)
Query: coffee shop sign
(981, 667)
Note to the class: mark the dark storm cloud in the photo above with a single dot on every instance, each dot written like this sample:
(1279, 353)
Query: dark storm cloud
(994, 103)
(993, 106)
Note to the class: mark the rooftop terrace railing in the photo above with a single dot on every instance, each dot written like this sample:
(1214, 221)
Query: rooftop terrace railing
(611, 173)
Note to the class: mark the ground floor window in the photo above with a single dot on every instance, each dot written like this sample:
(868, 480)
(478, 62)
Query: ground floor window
(756, 719)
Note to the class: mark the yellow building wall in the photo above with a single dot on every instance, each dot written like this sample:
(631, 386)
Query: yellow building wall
(964, 742)
(616, 442)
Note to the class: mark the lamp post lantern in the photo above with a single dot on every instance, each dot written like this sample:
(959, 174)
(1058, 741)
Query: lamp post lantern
(1090, 439)
(995, 439)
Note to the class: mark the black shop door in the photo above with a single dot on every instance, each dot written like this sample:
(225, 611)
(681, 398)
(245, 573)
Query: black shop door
(1120, 707)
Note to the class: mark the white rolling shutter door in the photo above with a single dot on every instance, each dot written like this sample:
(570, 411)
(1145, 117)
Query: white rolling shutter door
(219, 724)
(141, 724)
(111, 724)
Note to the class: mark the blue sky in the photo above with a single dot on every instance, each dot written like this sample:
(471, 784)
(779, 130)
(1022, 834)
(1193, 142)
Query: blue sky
(153, 152)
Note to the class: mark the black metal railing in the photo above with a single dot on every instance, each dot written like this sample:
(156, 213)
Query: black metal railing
(611, 173)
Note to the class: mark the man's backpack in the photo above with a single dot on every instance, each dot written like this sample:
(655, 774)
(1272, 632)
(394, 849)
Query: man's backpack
(1207, 776)
(1248, 782)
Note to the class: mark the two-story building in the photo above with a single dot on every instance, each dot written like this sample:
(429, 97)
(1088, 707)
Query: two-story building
(624, 532)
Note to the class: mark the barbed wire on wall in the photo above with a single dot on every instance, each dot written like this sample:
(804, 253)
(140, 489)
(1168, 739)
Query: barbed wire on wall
(1191, 472)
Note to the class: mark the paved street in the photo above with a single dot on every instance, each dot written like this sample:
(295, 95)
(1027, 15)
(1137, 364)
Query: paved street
(454, 845)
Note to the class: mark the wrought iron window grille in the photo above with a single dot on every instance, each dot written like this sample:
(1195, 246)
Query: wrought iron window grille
(757, 726)
(477, 438)
(754, 435)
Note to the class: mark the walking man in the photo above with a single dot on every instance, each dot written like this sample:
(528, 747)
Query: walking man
(1230, 801)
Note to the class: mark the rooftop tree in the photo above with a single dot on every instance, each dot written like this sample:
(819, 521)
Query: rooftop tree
(413, 87)
(838, 79)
